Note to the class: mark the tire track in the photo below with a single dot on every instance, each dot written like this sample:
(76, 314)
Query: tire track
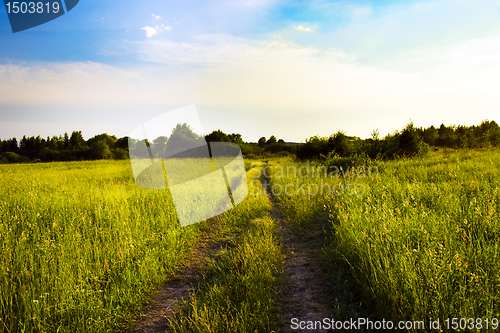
(304, 291)
(161, 306)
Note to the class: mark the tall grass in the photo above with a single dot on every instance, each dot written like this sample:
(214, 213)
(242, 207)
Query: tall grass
(239, 293)
(301, 190)
(423, 241)
(82, 245)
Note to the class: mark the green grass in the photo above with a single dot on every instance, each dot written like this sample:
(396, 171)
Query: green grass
(239, 293)
(300, 194)
(422, 242)
(82, 246)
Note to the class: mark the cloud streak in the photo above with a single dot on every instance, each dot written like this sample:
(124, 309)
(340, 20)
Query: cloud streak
(386, 66)
(153, 31)
(304, 29)
(453, 82)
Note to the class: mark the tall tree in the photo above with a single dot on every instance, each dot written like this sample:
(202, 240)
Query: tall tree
(410, 143)
(262, 142)
(100, 150)
(217, 136)
(76, 140)
(66, 140)
(271, 140)
(182, 138)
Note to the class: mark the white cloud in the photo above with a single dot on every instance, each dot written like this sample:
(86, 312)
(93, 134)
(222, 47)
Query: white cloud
(321, 74)
(234, 71)
(280, 80)
(156, 17)
(452, 84)
(80, 82)
(301, 28)
(163, 28)
(389, 30)
(224, 50)
(150, 31)
(429, 62)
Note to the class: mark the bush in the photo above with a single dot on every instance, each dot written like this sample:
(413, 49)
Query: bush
(120, 154)
(313, 148)
(340, 144)
(10, 157)
(410, 143)
(100, 150)
(251, 150)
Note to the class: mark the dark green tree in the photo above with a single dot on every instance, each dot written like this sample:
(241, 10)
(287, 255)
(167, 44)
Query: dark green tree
(66, 140)
(105, 137)
(182, 139)
(340, 144)
(217, 136)
(159, 146)
(262, 142)
(271, 140)
(235, 138)
(410, 143)
(100, 150)
(446, 136)
(430, 135)
(122, 143)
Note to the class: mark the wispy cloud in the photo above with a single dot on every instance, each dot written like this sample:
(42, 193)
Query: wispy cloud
(153, 31)
(431, 62)
(107, 82)
(156, 17)
(387, 31)
(455, 83)
(305, 29)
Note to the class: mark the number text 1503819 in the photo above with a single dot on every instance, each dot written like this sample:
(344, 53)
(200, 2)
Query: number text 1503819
(32, 7)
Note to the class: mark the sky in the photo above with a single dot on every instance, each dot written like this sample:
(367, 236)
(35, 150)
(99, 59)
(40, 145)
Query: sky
(293, 69)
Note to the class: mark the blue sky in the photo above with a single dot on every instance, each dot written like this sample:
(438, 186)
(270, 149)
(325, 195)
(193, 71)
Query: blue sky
(256, 67)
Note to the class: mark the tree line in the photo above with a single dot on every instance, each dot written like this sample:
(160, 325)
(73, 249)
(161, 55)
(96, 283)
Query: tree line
(63, 148)
(104, 146)
(410, 141)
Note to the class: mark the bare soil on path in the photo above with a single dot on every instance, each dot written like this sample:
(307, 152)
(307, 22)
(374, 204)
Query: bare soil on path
(309, 291)
(316, 283)
(304, 293)
(154, 316)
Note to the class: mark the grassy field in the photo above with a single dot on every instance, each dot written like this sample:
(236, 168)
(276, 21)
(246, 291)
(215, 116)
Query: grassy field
(82, 245)
(240, 288)
(420, 239)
